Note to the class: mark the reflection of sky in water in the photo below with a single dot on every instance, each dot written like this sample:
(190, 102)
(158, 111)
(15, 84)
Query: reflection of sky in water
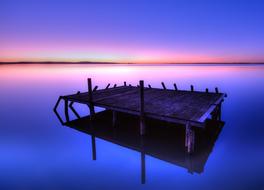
(37, 151)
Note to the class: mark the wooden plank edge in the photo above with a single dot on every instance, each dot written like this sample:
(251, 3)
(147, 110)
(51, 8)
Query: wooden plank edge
(211, 108)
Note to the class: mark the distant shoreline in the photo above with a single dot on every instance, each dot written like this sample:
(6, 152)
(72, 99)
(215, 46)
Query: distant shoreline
(116, 63)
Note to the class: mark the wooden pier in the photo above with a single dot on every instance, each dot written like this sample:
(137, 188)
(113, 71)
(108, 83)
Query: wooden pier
(189, 108)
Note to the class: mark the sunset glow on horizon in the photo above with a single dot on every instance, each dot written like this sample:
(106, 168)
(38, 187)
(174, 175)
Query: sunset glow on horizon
(132, 31)
(130, 57)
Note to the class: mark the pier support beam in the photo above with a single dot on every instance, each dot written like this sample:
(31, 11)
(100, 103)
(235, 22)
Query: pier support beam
(90, 92)
(143, 161)
(189, 138)
(216, 114)
(114, 118)
(189, 162)
(142, 118)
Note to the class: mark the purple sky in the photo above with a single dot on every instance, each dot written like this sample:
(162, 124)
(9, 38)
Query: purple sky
(132, 31)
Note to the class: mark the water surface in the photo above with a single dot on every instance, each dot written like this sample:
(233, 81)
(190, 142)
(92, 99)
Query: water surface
(38, 153)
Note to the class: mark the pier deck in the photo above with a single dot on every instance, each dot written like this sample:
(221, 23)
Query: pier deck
(174, 106)
(190, 108)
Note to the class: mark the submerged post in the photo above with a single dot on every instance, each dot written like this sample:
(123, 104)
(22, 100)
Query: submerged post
(125, 83)
(90, 92)
(206, 90)
(142, 119)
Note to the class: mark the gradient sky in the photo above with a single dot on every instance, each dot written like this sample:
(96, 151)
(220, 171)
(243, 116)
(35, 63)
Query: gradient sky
(132, 30)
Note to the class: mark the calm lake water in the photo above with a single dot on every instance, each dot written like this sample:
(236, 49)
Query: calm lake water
(37, 152)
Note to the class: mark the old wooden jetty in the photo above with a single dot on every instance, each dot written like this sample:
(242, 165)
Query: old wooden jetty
(190, 108)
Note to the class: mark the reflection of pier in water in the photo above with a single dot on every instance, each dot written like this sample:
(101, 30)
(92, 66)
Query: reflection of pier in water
(163, 141)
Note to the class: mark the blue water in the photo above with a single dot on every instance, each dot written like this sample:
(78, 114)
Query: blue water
(37, 152)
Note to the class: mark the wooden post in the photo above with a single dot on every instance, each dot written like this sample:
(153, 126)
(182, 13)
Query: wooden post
(143, 168)
(175, 86)
(114, 85)
(163, 85)
(93, 147)
(189, 138)
(66, 110)
(90, 92)
(192, 88)
(90, 89)
(95, 88)
(149, 86)
(216, 90)
(142, 119)
(107, 86)
(114, 117)
(143, 164)
(214, 114)
(191, 142)
(125, 83)
(186, 134)
(189, 163)
(206, 90)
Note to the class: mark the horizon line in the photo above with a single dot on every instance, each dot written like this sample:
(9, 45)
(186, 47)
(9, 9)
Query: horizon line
(113, 62)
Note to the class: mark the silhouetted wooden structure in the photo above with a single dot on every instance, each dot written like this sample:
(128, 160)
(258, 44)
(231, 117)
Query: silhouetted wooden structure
(164, 141)
(190, 108)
